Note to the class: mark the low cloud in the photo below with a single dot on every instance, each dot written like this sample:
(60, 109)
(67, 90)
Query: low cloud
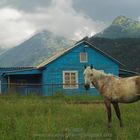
(13, 27)
(138, 19)
(60, 18)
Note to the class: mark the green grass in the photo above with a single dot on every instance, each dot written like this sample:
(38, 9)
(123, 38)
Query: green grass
(59, 118)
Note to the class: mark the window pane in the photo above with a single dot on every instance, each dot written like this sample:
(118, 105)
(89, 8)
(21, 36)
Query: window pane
(73, 83)
(67, 83)
(83, 57)
(73, 76)
(67, 76)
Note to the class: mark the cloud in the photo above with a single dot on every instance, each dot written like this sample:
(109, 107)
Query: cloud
(13, 27)
(138, 19)
(60, 18)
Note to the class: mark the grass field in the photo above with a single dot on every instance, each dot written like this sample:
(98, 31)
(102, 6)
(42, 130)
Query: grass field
(64, 118)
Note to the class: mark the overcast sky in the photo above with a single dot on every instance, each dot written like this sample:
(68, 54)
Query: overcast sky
(74, 19)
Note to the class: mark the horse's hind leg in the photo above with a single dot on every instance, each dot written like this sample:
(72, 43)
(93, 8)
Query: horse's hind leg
(117, 110)
(108, 107)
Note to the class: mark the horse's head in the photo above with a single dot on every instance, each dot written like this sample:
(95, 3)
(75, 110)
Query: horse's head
(88, 76)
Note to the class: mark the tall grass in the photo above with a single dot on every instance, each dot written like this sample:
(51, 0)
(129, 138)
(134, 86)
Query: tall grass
(58, 117)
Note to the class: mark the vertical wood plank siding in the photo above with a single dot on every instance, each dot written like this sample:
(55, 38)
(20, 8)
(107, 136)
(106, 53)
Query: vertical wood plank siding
(70, 61)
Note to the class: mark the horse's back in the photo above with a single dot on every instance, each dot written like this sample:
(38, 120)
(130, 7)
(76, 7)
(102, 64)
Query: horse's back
(138, 80)
(124, 90)
(138, 83)
(130, 89)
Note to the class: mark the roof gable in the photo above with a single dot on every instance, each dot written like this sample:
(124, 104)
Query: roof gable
(56, 55)
(103, 53)
(61, 53)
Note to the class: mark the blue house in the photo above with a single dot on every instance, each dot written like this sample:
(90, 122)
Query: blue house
(62, 73)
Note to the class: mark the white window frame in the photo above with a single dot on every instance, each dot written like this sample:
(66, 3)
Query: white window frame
(74, 87)
(86, 57)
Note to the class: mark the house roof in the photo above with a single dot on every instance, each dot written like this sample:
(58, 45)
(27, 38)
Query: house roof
(16, 71)
(15, 68)
(129, 71)
(55, 56)
(62, 52)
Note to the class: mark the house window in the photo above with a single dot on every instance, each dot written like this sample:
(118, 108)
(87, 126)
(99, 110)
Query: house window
(70, 79)
(83, 57)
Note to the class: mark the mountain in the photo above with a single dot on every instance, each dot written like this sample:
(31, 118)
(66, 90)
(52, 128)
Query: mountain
(125, 50)
(2, 50)
(121, 27)
(122, 41)
(34, 50)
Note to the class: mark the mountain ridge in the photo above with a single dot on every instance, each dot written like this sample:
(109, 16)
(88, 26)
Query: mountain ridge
(125, 50)
(44, 44)
(121, 27)
(34, 50)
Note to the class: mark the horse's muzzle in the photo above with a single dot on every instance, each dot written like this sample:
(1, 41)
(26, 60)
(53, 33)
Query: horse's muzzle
(87, 87)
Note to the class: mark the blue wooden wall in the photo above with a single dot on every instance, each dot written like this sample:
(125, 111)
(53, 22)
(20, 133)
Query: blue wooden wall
(70, 61)
(51, 75)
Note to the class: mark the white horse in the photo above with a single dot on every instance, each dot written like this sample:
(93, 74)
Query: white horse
(114, 89)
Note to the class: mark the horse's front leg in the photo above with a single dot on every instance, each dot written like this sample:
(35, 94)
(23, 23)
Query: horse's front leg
(117, 110)
(108, 107)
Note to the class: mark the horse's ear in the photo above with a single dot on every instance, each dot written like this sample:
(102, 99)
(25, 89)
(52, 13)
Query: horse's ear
(85, 66)
(91, 66)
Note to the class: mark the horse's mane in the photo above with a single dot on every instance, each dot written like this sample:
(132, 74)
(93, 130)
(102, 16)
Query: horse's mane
(101, 73)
